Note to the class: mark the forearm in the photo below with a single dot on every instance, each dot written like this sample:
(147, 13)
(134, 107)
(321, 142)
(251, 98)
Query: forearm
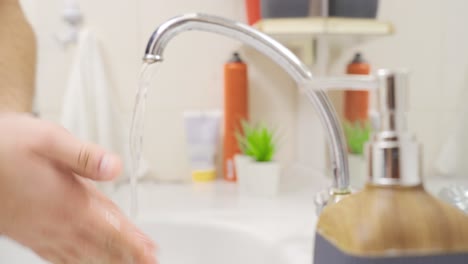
(17, 59)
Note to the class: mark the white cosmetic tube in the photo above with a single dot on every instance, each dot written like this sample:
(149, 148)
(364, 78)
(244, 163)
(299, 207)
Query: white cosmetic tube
(202, 131)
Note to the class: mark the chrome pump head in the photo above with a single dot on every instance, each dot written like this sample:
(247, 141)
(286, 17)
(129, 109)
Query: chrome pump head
(393, 154)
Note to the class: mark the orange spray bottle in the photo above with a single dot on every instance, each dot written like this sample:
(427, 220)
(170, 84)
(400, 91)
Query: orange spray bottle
(356, 108)
(235, 110)
(356, 103)
(253, 11)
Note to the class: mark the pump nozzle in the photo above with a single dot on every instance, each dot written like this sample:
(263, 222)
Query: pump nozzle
(393, 153)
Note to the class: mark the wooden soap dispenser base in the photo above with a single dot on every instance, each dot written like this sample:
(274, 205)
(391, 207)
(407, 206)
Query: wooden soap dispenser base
(393, 219)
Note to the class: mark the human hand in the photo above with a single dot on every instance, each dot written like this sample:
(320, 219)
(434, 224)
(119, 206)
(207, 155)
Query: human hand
(46, 203)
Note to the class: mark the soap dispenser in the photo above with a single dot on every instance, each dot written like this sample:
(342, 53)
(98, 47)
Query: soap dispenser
(393, 219)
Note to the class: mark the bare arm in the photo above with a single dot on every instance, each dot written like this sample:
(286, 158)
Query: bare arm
(17, 58)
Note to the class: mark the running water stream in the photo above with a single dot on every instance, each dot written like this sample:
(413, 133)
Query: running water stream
(137, 130)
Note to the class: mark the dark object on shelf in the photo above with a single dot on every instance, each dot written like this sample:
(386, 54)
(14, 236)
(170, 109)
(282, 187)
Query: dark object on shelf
(284, 8)
(353, 8)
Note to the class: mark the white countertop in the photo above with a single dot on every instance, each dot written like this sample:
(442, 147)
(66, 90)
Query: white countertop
(288, 219)
(278, 217)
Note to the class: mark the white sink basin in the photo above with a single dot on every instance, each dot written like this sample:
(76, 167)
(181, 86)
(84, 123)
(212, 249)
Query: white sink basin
(13, 253)
(209, 243)
(185, 242)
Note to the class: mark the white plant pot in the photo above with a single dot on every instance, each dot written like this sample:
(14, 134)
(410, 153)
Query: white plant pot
(242, 163)
(263, 178)
(357, 170)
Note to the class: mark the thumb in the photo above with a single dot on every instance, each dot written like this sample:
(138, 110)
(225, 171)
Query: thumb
(85, 159)
(91, 161)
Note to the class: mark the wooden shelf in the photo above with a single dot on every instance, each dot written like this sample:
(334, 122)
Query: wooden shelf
(320, 26)
(299, 35)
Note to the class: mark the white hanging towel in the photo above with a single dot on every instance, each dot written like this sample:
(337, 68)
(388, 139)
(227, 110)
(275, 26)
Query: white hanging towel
(89, 111)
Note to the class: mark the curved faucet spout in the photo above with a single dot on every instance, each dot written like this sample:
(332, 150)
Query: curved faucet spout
(279, 54)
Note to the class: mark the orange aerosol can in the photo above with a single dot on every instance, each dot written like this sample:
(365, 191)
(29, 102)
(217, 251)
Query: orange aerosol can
(235, 110)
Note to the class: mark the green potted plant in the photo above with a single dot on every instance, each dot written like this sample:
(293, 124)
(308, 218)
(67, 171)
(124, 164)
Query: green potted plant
(357, 134)
(257, 172)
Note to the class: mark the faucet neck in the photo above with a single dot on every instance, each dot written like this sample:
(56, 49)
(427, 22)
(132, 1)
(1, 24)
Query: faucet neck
(276, 52)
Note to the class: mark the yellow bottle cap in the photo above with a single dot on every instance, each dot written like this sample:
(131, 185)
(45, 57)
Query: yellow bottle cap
(203, 175)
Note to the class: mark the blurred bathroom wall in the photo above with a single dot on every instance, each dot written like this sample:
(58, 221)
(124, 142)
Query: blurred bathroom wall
(430, 40)
(191, 76)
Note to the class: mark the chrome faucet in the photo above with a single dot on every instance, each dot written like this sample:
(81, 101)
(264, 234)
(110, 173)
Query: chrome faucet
(289, 62)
